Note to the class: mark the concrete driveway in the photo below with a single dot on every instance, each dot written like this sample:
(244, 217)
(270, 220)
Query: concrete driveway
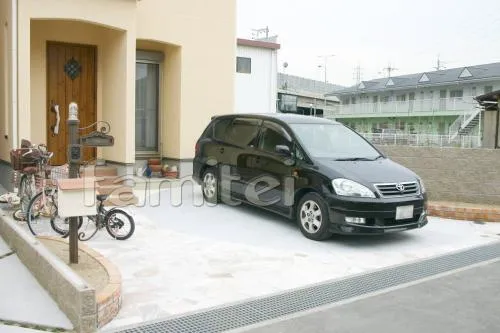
(190, 256)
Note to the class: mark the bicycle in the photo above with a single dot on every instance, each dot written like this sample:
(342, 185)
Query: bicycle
(30, 162)
(44, 205)
(114, 220)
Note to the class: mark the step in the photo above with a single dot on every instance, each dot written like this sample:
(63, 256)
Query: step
(114, 189)
(99, 171)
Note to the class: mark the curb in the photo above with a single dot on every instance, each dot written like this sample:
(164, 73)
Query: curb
(109, 299)
(464, 211)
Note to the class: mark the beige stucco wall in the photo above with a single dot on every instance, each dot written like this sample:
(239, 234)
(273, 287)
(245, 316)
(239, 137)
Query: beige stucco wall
(197, 37)
(206, 34)
(5, 78)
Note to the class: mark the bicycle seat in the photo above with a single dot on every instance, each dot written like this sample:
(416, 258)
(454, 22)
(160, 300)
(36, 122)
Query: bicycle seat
(102, 197)
(30, 170)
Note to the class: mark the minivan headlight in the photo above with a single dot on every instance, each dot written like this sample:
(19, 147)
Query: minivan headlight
(422, 187)
(350, 188)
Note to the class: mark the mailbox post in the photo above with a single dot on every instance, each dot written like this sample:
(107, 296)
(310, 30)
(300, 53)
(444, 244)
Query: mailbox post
(74, 159)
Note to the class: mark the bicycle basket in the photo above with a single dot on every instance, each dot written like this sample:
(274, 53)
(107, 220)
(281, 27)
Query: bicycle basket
(19, 162)
(59, 172)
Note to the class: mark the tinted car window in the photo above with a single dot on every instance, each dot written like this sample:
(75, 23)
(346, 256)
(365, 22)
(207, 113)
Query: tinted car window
(242, 132)
(220, 128)
(273, 135)
(333, 141)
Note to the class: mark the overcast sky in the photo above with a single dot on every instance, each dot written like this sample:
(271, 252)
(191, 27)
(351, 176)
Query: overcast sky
(408, 34)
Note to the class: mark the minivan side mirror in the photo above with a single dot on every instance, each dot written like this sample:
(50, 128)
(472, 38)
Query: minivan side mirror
(283, 150)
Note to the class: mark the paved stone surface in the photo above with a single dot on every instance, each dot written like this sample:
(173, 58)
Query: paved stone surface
(464, 302)
(14, 329)
(24, 300)
(4, 249)
(190, 257)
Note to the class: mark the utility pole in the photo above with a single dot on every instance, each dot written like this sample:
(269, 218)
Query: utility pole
(439, 64)
(325, 63)
(357, 75)
(389, 69)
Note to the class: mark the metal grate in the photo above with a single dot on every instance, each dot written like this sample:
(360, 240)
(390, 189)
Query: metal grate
(397, 189)
(271, 307)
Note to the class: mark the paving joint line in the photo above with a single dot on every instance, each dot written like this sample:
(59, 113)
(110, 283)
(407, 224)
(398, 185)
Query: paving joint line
(7, 255)
(41, 328)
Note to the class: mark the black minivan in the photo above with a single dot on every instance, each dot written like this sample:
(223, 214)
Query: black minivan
(319, 172)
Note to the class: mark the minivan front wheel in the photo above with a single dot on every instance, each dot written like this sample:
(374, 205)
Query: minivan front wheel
(210, 186)
(312, 217)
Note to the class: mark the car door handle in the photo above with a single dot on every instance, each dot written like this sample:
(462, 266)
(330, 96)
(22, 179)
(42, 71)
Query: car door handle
(221, 150)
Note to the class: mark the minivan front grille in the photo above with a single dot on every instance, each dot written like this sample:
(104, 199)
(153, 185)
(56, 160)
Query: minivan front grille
(398, 189)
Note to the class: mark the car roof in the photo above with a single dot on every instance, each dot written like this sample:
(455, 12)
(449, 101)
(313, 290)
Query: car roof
(286, 118)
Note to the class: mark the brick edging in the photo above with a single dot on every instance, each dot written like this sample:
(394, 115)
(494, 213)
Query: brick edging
(108, 299)
(460, 211)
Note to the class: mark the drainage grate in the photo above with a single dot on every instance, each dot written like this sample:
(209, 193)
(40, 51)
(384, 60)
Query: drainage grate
(271, 307)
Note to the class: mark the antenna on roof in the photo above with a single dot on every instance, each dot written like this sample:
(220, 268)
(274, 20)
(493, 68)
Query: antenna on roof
(439, 64)
(257, 32)
(389, 69)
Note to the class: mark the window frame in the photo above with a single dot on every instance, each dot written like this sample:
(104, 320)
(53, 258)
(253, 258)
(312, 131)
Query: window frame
(239, 67)
(145, 59)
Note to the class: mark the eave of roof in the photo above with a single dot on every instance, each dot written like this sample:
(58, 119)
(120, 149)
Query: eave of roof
(258, 43)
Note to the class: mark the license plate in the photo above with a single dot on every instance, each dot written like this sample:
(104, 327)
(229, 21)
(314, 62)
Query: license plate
(404, 212)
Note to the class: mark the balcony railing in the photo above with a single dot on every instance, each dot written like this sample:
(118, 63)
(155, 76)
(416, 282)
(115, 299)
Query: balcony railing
(422, 139)
(458, 104)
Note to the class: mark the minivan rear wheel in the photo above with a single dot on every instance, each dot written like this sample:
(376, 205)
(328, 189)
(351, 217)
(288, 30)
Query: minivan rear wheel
(312, 217)
(210, 186)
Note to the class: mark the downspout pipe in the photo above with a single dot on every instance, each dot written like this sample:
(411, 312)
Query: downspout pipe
(14, 90)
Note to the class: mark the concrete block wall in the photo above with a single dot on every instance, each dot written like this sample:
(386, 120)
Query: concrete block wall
(453, 174)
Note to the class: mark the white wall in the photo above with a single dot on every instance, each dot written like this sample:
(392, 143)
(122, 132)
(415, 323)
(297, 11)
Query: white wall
(257, 92)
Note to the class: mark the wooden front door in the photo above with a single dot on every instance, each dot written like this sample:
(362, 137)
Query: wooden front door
(71, 77)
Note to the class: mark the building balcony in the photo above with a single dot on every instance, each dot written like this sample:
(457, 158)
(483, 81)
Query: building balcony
(418, 107)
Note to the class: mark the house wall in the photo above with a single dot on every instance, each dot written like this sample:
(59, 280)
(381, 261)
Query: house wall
(114, 36)
(110, 75)
(198, 72)
(204, 33)
(429, 92)
(257, 92)
(6, 132)
(430, 125)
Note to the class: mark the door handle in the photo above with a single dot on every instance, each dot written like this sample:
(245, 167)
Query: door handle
(221, 150)
(55, 128)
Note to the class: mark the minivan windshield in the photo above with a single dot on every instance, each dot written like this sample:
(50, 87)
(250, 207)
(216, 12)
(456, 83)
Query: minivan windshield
(334, 141)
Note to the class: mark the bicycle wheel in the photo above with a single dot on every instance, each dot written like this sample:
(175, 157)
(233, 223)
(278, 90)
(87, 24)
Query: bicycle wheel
(42, 213)
(25, 193)
(119, 224)
(61, 226)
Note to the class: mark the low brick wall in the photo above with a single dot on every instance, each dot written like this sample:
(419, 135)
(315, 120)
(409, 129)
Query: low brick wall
(453, 174)
(464, 211)
(109, 298)
(71, 293)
